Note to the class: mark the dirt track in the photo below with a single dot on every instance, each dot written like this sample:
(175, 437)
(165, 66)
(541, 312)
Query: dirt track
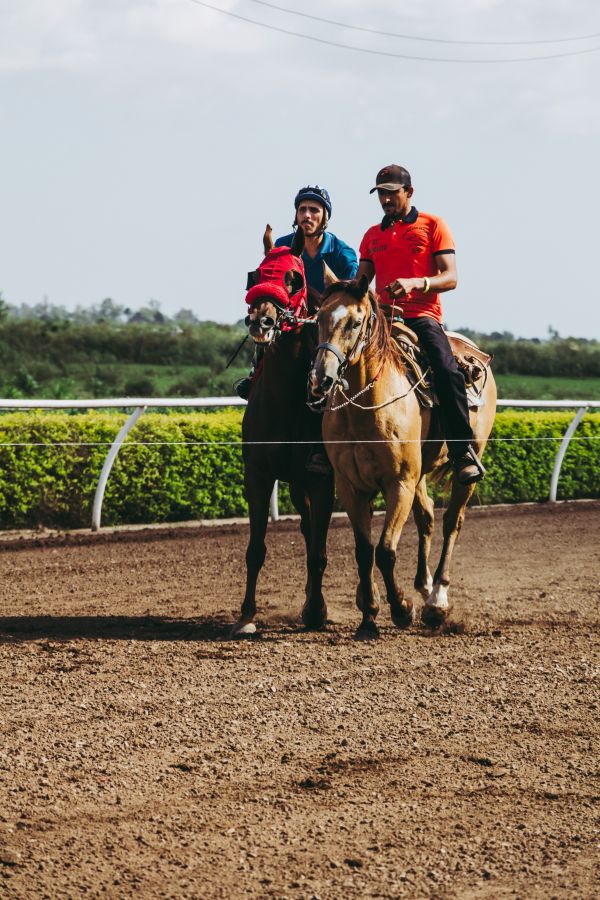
(143, 755)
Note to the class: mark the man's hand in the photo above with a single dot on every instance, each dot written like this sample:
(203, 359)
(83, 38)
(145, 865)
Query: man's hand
(402, 287)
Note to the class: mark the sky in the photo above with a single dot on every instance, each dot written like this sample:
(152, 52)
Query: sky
(146, 143)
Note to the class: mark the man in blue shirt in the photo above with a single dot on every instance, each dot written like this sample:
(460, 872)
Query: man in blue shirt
(313, 211)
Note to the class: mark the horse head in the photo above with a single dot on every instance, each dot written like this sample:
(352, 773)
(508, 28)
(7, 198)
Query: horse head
(345, 320)
(276, 290)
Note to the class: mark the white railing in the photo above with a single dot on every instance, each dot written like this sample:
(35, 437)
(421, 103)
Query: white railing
(141, 404)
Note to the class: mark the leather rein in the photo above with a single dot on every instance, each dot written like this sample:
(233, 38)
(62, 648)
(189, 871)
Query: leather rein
(341, 384)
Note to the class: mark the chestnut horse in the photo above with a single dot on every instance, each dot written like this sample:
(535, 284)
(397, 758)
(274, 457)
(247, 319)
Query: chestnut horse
(380, 439)
(279, 432)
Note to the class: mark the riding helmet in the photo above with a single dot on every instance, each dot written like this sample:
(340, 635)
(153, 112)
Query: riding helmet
(314, 192)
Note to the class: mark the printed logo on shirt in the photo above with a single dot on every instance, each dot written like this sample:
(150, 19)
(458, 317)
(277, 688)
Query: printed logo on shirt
(417, 237)
(378, 245)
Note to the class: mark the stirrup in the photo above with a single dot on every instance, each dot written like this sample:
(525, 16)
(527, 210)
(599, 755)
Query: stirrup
(468, 467)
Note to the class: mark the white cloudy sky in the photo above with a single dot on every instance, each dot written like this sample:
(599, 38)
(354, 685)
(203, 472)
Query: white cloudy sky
(145, 143)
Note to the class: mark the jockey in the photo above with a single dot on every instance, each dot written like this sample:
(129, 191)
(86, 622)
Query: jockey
(411, 254)
(313, 211)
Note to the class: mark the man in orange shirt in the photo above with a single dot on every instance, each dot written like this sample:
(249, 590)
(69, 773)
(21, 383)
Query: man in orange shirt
(412, 256)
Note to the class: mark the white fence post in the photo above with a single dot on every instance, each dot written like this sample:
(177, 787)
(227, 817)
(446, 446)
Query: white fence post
(108, 464)
(562, 450)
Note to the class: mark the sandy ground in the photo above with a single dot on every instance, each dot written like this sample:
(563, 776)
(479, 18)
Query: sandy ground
(143, 754)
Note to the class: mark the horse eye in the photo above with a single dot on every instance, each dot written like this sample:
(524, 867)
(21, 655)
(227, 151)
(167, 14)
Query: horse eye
(247, 321)
(356, 324)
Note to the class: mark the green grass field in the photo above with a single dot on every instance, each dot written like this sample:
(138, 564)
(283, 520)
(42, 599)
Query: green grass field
(137, 380)
(537, 387)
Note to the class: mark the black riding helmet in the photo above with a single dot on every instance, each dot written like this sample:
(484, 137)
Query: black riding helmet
(314, 192)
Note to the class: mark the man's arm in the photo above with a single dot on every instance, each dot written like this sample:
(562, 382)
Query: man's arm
(445, 280)
(346, 262)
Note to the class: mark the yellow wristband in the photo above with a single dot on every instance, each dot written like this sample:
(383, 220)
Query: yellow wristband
(427, 284)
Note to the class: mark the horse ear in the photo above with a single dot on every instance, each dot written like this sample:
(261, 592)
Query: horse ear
(363, 284)
(329, 277)
(252, 279)
(268, 239)
(294, 281)
(298, 243)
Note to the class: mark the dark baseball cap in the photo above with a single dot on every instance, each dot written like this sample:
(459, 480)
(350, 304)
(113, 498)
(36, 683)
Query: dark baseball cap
(392, 178)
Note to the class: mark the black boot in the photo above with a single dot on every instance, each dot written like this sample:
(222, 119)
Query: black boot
(243, 387)
(318, 461)
(468, 467)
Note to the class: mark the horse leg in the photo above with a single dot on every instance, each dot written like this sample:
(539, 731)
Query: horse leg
(315, 514)
(399, 498)
(360, 512)
(438, 606)
(424, 518)
(258, 492)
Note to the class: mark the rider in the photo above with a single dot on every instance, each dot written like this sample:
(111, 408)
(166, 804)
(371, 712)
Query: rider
(313, 211)
(412, 257)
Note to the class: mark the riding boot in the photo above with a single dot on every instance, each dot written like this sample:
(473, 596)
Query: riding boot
(244, 385)
(468, 467)
(318, 461)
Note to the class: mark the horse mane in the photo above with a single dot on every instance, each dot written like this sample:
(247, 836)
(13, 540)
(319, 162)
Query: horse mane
(382, 347)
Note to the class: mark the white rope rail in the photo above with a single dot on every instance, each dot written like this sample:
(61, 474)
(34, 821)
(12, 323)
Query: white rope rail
(141, 404)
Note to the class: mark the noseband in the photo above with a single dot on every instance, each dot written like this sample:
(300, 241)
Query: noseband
(357, 348)
(284, 317)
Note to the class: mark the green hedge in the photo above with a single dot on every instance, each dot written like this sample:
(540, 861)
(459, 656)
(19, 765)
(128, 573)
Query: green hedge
(180, 466)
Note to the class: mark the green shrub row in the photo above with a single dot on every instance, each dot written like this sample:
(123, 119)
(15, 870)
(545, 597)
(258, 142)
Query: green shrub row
(188, 466)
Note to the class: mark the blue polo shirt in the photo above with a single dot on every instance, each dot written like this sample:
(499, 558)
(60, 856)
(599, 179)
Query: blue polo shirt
(340, 258)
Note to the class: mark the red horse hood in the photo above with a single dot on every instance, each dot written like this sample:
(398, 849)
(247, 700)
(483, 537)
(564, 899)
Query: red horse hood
(271, 274)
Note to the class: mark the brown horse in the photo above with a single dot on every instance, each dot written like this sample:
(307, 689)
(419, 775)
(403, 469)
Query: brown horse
(279, 432)
(379, 438)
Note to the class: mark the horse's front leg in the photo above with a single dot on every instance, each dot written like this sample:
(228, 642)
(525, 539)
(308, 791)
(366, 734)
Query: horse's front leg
(258, 493)
(360, 512)
(315, 507)
(437, 606)
(399, 496)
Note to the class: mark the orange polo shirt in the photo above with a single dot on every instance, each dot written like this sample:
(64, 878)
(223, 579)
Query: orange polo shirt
(407, 249)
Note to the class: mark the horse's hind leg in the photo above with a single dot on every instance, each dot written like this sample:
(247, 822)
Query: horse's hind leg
(424, 518)
(398, 502)
(315, 514)
(438, 605)
(258, 492)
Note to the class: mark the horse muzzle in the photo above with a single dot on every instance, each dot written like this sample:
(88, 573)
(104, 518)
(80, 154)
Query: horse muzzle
(261, 329)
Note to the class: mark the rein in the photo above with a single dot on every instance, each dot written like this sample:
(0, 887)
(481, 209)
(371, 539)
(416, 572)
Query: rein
(341, 384)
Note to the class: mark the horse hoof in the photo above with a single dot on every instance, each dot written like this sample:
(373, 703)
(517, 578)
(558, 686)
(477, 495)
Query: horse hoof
(434, 616)
(241, 630)
(314, 620)
(403, 618)
(367, 632)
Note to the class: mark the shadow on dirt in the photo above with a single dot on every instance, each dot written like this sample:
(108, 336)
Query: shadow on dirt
(19, 629)
(131, 628)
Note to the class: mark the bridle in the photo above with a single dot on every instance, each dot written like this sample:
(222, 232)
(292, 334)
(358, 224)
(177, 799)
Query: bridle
(362, 341)
(341, 385)
(285, 317)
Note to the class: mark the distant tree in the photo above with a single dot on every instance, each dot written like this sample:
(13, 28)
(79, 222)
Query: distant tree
(4, 308)
(150, 314)
(186, 317)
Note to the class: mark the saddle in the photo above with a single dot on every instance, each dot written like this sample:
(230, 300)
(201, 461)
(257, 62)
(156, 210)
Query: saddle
(472, 362)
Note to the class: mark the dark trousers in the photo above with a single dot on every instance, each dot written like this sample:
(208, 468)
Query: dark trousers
(449, 383)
